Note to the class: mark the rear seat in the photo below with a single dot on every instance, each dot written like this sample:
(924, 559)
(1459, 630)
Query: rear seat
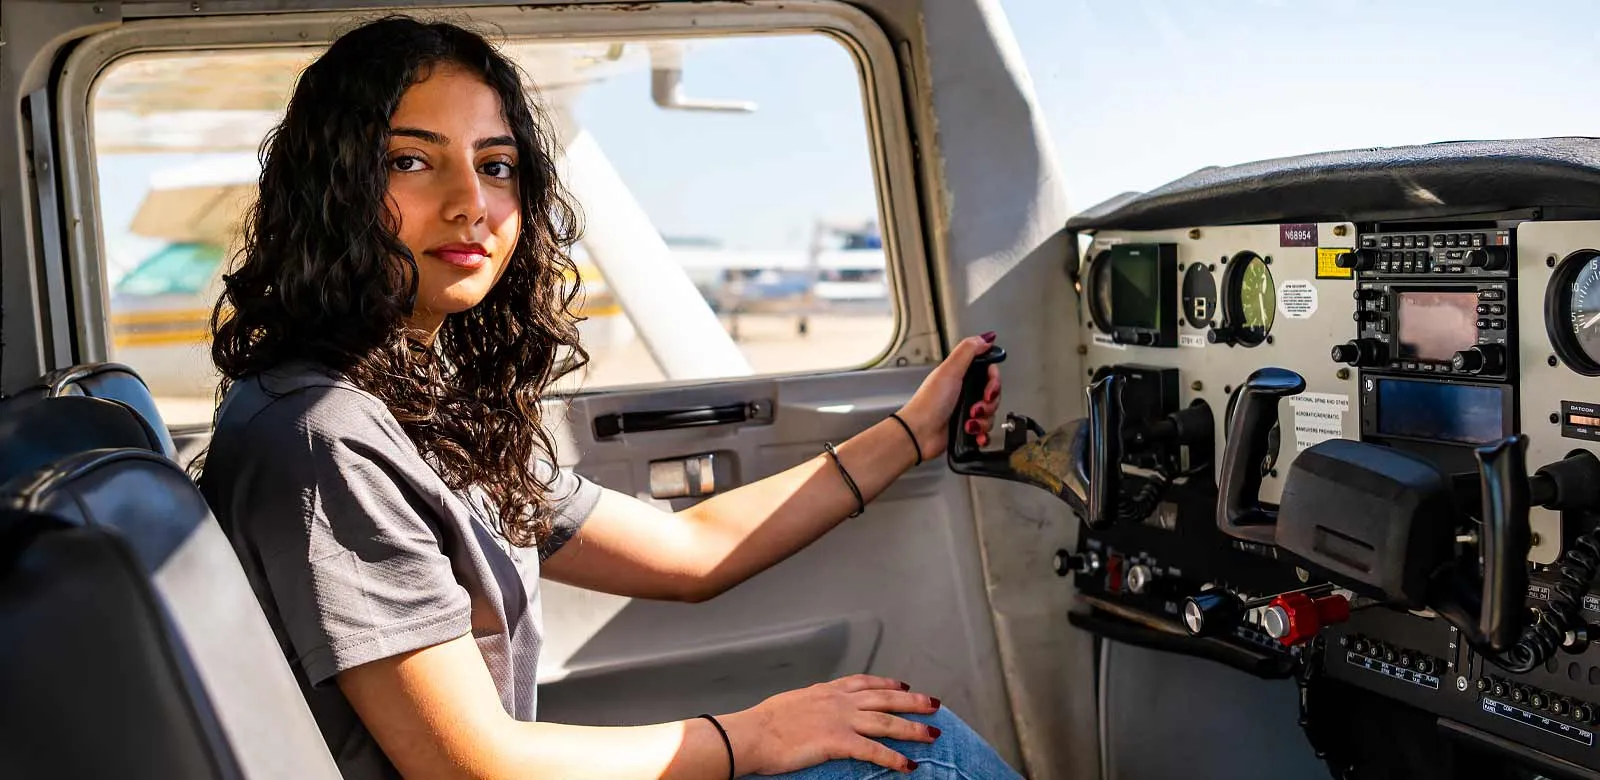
(134, 646)
(112, 381)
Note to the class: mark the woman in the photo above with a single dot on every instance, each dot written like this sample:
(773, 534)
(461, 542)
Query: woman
(384, 337)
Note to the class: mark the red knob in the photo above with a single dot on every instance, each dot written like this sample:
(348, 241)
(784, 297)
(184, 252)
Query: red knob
(1294, 618)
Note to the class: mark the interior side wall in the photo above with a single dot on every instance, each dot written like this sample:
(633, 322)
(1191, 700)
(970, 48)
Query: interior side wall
(1002, 261)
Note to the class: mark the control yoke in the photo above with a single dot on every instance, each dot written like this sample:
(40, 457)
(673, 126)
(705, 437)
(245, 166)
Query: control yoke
(1078, 462)
(1381, 521)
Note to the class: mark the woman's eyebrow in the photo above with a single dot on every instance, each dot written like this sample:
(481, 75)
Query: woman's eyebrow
(496, 140)
(418, 133)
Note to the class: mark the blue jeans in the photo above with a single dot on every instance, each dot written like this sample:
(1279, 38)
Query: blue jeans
(958, 754)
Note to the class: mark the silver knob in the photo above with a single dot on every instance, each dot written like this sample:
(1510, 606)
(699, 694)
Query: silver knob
(1193, 617)
(1275, 620)
(1139, 576)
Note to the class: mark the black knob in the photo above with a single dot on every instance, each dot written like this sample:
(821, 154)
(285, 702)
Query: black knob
(1482, 359)
(1087, 563)
(1211, 612)
(1581, 713)
(1360, 352)
(1359, 259)
(1144, 339)
(1489, 258)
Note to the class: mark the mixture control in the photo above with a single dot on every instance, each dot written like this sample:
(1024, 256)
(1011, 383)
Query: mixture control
(1294, 618)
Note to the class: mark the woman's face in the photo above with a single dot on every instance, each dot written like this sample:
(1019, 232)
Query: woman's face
(452, 165)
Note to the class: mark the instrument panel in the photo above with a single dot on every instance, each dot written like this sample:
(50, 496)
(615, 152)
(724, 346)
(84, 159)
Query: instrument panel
(1435, 339)
(1358, 453)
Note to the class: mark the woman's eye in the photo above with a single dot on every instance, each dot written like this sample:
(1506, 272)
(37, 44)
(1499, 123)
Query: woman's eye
(498, 169)
(405, 163)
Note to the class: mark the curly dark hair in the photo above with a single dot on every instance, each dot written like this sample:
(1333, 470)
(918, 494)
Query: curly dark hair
(322, 275)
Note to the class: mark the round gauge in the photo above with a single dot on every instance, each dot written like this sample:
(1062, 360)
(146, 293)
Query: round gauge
(1250, 298)
(1199, 296)
(1572, 311)
(1099, 290)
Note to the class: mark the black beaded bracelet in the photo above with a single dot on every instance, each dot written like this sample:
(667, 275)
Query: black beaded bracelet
(914, 445)
(725, 742)
(861, 503)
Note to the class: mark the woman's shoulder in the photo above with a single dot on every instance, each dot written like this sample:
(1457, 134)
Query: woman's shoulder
(300, 400)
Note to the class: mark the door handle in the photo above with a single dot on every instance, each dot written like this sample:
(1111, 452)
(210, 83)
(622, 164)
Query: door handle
(609, 425)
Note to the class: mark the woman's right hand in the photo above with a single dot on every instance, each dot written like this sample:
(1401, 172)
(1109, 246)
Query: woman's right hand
(836, 719)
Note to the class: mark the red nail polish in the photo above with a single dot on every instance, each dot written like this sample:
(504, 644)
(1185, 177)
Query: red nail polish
(974, 427)
(934, 730)
(989, 397)
(976, 410)
(936, 704)
(905, 686)
(911, 766)
(989, 336)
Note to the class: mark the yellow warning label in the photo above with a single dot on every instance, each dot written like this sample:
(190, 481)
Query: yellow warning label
(1328, 264)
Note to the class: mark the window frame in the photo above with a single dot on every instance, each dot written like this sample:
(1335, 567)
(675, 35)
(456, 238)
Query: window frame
(915, 335)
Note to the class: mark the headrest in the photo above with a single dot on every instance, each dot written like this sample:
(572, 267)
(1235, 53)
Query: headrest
(112, 381)
(36, 431)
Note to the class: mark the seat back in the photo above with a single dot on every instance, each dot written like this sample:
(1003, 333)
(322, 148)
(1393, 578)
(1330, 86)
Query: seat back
(111, 381)
(134, 645)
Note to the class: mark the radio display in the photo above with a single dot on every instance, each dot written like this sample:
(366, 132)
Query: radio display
(1469, 414)
(1435, 325)
(1135, 286)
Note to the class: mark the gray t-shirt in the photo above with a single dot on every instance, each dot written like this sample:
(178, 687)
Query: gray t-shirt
(358, 551)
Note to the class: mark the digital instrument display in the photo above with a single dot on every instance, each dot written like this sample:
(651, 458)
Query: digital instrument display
(1135, 285)
(1436, 325)
(1468, 414)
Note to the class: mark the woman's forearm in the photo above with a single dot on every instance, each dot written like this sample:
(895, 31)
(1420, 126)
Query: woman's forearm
(682, 750)
(754, 526)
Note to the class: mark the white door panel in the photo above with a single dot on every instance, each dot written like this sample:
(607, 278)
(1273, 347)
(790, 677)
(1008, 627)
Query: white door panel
(897, 591)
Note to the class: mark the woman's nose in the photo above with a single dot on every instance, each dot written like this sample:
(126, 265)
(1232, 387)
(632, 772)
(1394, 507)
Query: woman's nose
(464, 197)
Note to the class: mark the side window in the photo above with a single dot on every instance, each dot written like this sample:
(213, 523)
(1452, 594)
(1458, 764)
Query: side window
(746, 192)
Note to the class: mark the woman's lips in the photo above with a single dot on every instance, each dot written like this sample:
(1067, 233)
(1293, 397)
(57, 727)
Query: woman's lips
(460, 258)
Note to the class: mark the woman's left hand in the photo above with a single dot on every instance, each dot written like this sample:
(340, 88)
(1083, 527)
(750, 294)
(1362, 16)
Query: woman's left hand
(929, 410)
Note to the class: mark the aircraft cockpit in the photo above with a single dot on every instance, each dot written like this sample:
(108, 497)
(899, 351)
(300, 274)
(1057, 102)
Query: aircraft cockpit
(1340, 431)
(1296, 472)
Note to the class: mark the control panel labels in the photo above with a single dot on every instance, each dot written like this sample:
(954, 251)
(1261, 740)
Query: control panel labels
(1191, 340)
(1390, 670)
(1105, 340)
(1511, 712)
(1539, 592)
(1318, 417)
(1297, 299)
(1591, 603)
(1297, 235)
(1328, 263)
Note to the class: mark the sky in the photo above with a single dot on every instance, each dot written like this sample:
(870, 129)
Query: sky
(1134, 93)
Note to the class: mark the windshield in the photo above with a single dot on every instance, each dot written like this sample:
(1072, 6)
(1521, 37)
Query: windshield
(1136, 93)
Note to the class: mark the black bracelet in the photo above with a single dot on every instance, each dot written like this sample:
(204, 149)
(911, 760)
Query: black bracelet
(907, 426)
(725, 743)
(860, 503)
